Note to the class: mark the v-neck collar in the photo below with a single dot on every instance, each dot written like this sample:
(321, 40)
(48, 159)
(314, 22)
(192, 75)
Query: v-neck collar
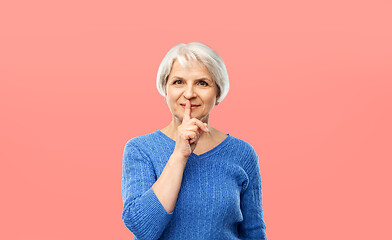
(208, 153)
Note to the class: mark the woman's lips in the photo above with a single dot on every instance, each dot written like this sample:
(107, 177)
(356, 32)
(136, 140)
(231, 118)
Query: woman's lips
(192, 106)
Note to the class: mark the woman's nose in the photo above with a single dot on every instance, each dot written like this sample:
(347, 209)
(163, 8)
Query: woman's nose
(189, 92)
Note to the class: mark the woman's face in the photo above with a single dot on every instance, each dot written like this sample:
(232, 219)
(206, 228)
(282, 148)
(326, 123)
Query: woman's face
(194, 83)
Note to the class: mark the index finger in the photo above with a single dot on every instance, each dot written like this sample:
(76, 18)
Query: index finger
(187, 112)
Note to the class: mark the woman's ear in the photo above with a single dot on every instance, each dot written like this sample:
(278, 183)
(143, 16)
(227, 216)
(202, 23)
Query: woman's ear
(217, 97)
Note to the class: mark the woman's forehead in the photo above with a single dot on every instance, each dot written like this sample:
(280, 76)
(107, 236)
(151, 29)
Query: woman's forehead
(188, 64)
(189, 68)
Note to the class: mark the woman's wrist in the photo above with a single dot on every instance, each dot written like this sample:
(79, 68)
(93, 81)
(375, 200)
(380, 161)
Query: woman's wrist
(178, 157)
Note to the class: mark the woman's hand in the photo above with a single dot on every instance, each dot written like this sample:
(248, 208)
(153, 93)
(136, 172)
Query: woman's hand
(189, 133)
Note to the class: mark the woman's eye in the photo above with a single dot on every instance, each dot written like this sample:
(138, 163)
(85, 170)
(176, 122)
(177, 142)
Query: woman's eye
(203, 83)
(206, 84)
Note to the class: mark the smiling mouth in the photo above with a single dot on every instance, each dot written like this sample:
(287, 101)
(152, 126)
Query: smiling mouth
(192, 106)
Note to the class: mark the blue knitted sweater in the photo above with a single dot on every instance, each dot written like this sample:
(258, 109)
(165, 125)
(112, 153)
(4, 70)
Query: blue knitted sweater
(220, 195)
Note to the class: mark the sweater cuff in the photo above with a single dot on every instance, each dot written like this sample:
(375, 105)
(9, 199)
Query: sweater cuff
(150, 218)
(155, 206)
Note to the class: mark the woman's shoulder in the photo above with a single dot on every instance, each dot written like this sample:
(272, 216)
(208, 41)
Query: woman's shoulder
(141, 145)
(241, 143)
(249, 156)
(234, 141)
(142, 140)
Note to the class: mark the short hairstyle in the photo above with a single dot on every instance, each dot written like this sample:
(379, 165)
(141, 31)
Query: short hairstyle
(200, 53)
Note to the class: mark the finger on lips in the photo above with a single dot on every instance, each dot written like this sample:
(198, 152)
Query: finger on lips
(187, 112)
(187, 117)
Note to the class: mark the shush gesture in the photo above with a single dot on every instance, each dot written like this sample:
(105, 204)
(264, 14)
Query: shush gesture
(189, 132)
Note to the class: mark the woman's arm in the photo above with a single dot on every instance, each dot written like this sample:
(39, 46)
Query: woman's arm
(168, 185)
(253, 225)
(143, 213)
(149, 202)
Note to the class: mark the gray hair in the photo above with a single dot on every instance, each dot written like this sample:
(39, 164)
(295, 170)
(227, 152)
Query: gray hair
(198, 52)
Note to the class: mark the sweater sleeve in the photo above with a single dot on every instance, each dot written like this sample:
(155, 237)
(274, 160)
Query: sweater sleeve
(253, 225)
(143, 214)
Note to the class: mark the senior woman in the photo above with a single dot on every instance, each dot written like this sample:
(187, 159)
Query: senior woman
(190, 180)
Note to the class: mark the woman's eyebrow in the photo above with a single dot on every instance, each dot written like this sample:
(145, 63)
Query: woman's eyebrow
(202, 78)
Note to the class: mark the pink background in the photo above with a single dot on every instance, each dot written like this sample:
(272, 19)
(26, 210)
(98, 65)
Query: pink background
(311, 87)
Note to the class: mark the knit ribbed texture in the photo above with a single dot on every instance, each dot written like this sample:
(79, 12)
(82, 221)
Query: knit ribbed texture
(220, 195)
